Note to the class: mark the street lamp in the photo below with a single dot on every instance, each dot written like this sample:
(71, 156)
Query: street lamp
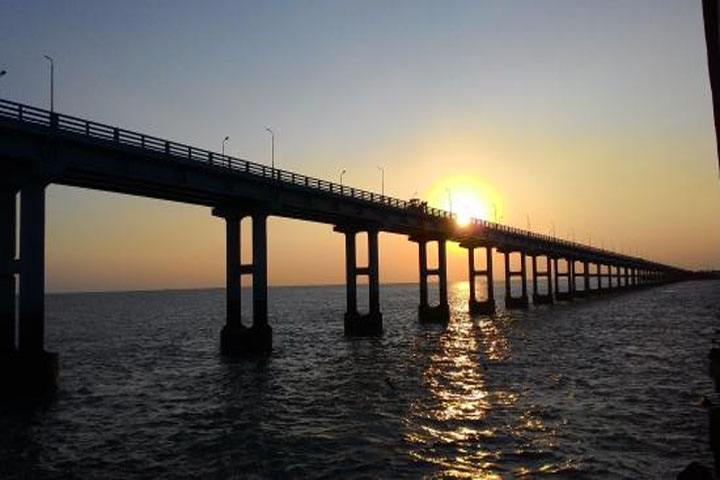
(342, 172)
(382, 180)
(495, 216)
(223, 144)
(449, 192)
(272, 143)
(52, 82)
(3, 73)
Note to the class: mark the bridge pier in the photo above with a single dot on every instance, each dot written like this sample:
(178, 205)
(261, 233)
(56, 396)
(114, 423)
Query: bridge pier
(236, 339)
(522, 300)
(561, 296)
(542, 298)
(475, 306)
(25, 366)
(439, 313)
(361, 324)
(586, 278)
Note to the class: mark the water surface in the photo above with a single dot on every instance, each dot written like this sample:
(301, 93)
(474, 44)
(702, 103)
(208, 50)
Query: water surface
(598, 388)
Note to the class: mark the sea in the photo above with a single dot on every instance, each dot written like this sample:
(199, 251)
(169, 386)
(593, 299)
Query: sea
(603, 387)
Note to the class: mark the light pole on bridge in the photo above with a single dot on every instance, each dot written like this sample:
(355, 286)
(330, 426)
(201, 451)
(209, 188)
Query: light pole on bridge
(342, 172)
(382, 180)
(52, 82)
(272, 146)
(227, 137)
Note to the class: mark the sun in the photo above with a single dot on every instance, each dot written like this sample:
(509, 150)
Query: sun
(467, 197)
(466, 206)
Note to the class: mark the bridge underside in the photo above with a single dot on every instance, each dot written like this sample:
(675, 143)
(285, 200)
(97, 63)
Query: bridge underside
(33, 156)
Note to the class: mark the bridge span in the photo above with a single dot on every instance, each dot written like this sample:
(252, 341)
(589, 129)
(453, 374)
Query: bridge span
(39, 147)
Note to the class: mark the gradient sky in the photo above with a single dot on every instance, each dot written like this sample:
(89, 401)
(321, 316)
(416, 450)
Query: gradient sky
(592, 116)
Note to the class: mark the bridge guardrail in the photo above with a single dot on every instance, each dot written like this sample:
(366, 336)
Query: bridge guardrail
(73, 125)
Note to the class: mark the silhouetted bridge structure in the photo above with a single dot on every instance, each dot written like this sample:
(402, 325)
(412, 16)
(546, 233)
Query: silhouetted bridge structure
(38, 148)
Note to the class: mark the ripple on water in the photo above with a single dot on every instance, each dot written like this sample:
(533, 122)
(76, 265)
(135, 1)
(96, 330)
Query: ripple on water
(599, 388)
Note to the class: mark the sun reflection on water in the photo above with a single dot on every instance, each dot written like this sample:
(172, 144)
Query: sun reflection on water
(448, 427)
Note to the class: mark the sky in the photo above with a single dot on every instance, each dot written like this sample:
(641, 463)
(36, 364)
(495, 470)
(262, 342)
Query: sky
(590, 119)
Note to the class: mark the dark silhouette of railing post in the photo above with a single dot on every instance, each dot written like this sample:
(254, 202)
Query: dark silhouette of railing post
(426, 312)
(356, 323)
(487, 306)
(522, 300)
(236, 339)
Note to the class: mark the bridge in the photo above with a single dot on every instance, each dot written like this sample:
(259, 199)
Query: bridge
(39, 147)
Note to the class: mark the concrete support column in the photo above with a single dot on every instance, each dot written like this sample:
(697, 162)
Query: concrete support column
(487, 306)
(8, 218)
(32, 268)
(510, 301)
(556, 275)
(441, 312)
(550, 274)
(523, 275)
(626, 274)
(356, 323)
(236, 339)
(538, 297)
(598, 276)
(232, 273)
(260, 287)
(586, 276)
(471, 274)
(559, 294)
(508, 277)
(422, 256)
(27, 368)
(374, 273)
(490, 277)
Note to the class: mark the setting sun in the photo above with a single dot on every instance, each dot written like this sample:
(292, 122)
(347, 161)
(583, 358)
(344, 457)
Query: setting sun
(467, 198)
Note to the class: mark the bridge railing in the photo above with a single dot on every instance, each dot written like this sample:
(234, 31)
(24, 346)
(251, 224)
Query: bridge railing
(98, 131)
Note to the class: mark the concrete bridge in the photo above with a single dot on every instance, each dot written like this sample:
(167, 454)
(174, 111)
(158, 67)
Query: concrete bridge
(38, 147)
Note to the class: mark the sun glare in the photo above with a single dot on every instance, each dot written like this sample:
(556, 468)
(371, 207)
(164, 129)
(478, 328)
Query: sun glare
(467, 198)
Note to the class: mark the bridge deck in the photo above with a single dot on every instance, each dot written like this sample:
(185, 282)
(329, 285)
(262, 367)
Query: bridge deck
(74, 151)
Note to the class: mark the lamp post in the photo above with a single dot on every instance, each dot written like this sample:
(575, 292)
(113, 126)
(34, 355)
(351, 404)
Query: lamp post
(382, 180)
(2, 74)
(52, 82)
(272, 147)
(223, 144)
(342, 172)
(495, 216)
(449, 192)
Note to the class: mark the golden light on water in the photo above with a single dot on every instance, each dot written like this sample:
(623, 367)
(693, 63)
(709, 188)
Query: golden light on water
(465, 424)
